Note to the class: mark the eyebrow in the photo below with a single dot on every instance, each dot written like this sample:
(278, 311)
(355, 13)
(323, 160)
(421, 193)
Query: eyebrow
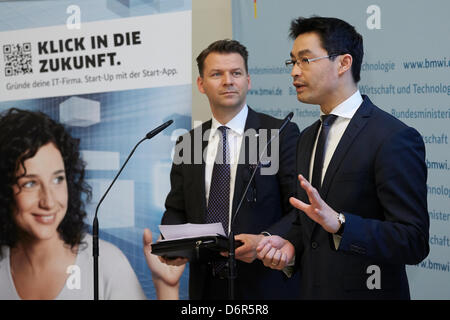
(35, 175)
(301, 52)
(221, 70)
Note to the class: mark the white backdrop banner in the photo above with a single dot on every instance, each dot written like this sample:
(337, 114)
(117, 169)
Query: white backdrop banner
(110, 71)
(99, 57)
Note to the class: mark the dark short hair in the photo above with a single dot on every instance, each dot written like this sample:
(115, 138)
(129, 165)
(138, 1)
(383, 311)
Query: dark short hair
(336, 36)
(22, 134)
(222, 46)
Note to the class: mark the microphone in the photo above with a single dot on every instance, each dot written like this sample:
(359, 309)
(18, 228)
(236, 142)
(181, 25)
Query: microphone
(285, 122)
(95, 228)
(231, 255)
(283, 125)
(154, 132)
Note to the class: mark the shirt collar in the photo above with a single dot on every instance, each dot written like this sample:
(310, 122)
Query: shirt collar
(349, 107)
(237, 124)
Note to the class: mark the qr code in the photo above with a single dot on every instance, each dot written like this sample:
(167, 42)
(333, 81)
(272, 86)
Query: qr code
(17, 59)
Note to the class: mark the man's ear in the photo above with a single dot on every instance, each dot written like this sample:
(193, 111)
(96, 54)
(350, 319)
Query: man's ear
(345, 63)
(200, 84)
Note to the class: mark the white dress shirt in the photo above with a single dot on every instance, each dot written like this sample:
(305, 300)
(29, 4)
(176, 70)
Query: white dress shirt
(234, 139)
(344, 113)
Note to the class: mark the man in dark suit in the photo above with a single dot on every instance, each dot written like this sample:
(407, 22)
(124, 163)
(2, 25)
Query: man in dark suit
(198, 196)
(364, 215)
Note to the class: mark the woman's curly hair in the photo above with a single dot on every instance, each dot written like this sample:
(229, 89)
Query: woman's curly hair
(22, 133)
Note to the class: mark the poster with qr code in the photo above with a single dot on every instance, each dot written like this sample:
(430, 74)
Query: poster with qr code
(109, 71)
(17, 58)
(101, 57)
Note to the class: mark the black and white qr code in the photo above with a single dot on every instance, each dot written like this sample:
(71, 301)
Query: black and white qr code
(17, 59)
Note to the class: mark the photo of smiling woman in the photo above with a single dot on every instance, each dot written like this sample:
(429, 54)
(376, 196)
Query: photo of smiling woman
(45, 251)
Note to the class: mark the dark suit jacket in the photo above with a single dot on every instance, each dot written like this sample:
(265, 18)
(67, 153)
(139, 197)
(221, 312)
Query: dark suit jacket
(377, 178)
(186, 203)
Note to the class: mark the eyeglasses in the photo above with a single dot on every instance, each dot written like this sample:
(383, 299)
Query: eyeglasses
(303, 62)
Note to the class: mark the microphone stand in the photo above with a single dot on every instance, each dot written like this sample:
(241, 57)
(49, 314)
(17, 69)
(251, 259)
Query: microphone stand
(95, 227)
(232, 273)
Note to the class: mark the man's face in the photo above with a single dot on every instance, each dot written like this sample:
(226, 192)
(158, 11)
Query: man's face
(315, 82)
(224, 81)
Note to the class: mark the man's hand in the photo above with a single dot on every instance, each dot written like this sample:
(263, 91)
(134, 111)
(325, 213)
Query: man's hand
(317, 210)
(247, 251)
(275, 252)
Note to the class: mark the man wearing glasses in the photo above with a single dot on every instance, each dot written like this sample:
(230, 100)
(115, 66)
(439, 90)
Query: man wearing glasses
(362, 196)
(210, 190)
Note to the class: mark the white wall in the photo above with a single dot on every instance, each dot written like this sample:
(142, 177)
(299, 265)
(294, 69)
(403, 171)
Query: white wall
(211, 21)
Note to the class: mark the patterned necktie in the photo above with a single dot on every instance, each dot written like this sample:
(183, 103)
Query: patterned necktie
(219, 192)
(327, 121)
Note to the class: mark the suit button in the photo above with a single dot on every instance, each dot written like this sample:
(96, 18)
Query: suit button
(314, 245)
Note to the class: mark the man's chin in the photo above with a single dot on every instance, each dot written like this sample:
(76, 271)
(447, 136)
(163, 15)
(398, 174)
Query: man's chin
(301, 97)
(232, 105)
(304, 98)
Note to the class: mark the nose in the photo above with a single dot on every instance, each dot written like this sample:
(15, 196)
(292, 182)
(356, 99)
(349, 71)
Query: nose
(47, 198)
(227, 78)
(296, 71)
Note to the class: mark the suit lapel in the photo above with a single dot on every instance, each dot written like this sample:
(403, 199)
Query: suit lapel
(304, 153)
(252, 122)
(357, 123)
(199, 169)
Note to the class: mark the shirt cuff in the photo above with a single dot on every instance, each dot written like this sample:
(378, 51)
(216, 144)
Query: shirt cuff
(289, 269)
(337, 240)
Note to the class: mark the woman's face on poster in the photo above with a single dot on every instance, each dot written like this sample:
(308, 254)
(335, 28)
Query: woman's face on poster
(41, 195)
